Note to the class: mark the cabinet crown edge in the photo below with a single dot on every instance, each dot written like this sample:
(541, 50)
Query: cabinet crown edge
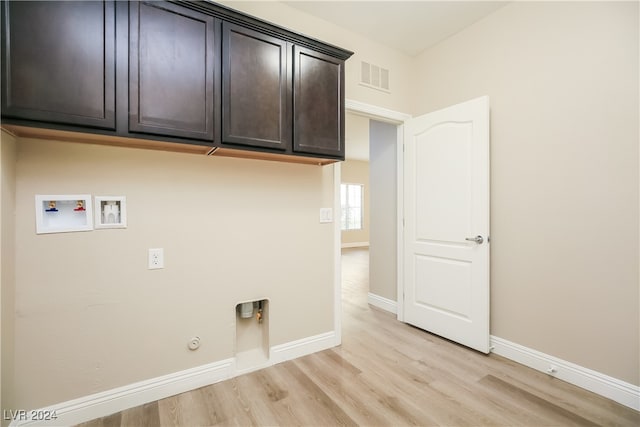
(252, 22)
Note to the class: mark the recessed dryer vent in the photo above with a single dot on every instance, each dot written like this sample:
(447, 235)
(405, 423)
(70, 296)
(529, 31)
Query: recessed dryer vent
(252, 334)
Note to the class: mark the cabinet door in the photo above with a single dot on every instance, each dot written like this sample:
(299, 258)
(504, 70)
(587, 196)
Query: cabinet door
(318, 103)
(172, 53)
(59, 62)
(255, 96)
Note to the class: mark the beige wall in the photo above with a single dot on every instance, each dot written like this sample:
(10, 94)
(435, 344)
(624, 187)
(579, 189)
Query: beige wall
(399, 64)
(357, 172)
(563, 83)
(7, 269)
(562, 78)
(384, 196)
(91, 316)
(245, 207)
(218, 237)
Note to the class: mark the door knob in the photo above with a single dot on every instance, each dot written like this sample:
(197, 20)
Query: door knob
(477, 239)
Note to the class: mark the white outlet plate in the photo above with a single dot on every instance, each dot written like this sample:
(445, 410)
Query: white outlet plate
(156, 258)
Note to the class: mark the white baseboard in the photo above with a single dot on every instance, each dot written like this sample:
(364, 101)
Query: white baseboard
(118, 399)
(105, 403)
(383, 303)
(355, 245)
(299, 348)
(604, 385)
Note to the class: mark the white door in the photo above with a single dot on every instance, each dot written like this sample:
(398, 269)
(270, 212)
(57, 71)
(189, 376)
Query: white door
(446, 232)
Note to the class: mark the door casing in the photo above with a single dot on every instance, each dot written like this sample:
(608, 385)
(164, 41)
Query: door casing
(397, 118)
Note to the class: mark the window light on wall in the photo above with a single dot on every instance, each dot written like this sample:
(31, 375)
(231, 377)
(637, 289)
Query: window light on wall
(351, 202)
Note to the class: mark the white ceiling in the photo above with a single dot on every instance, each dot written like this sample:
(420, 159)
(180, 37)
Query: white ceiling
(408, 26)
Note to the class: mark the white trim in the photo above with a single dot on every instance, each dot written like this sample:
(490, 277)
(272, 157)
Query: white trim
(118, 399)
(256, 355)
(375, 112)
(370, 86)
(99, 405)
(303, 347)
(337, 256)
(355, 245)
(294, 349)
(397, 118)
(400, 223)
(622, 392)
(382, 302)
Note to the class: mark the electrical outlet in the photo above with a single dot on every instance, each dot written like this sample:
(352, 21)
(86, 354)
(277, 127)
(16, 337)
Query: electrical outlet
(156, 258)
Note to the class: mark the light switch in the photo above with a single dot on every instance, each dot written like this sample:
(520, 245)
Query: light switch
(326, 215)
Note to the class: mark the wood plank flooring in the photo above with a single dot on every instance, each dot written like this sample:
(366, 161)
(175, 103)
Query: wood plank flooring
(385, 373)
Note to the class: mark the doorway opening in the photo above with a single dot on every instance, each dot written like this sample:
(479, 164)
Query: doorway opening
(440, 293)
(373, 142)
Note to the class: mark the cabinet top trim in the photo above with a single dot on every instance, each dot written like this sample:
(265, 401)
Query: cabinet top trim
(258, 24)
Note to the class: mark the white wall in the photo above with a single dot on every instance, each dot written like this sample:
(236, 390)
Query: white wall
(563, 83)
(383, 235)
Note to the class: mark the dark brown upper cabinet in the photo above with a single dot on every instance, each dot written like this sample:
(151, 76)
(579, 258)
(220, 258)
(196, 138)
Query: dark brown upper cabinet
(318, 103)
(172, 71)
(256, 101)
(59, 62)
(191, 76)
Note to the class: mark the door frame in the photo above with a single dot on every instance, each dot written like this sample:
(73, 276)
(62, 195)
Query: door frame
(398, 119)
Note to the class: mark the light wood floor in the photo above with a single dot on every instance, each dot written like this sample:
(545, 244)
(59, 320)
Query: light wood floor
(385, 373)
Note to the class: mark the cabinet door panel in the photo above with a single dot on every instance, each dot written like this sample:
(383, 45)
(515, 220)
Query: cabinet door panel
(59, 62)
(255, 101)
(171, 71)
(318, 103)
